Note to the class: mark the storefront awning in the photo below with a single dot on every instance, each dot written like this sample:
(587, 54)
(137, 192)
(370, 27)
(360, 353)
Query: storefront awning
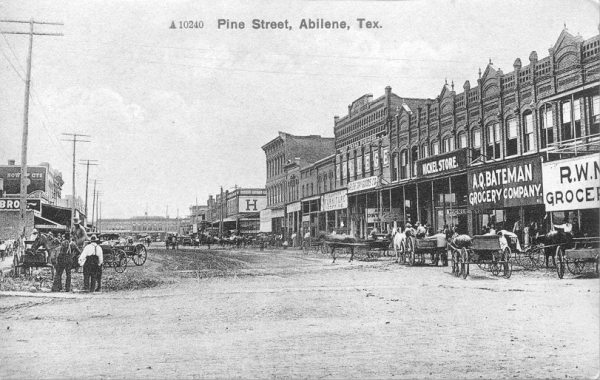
(42, 223)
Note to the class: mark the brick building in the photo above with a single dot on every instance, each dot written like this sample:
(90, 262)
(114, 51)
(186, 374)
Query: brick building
(238, 210)
(474, 157)
(280, 151)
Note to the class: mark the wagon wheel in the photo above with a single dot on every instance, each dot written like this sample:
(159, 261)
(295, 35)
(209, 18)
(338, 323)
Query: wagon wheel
(140, 255)
(120, 261)
(560, 264)
(575, 267)
(535, 258)
(494, 268)
(323, 248)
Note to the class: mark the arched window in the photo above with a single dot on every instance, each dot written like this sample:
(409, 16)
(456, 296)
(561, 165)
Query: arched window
(414, 157)
(394, 168)
(476, 143)
(493, 141)
(448, 144)
(424, 151)
(528, 136)
(462, 140)
(435, 148)
(404, 164)
(566, 125)
(511, 137)
(547, 126)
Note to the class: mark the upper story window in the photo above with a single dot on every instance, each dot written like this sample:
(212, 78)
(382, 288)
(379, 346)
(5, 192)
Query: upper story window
(475, 144)
(512, 134)
(424, 151)
(547, 126)
(566, 127)
(595, 115)
(448, 144)
(435, 148)
(528, 136)
(404, 164)
(414, 153)
(462, 140)
(394, 168)
(493, 141)
(577, 111)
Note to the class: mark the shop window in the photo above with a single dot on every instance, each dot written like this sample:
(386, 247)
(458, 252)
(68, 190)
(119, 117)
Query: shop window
(404, 164)
(512, 135)
(462, 140)
(595, 115)
(566, 126)
(435, 148)
(394, 168)
(493, 141)
(528, 137)
(547, 126)
(414, 153)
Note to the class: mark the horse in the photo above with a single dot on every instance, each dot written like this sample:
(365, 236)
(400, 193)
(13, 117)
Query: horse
(50, 245)
(554, 238)
(399, 243)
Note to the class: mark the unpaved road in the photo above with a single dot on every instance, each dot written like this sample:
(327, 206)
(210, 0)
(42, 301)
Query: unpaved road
(286, 315)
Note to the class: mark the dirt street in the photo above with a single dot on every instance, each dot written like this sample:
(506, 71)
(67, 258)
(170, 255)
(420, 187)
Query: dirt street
(287, 315)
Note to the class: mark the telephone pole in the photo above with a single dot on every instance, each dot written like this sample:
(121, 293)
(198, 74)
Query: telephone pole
(25, 135)
(74, 139)
(94, 202)
(87, 177)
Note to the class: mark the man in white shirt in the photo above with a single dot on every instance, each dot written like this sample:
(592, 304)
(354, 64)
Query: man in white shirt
(91, 259)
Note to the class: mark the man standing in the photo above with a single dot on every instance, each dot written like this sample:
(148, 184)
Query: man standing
(91, 259)
(64, 262)
(78, 233)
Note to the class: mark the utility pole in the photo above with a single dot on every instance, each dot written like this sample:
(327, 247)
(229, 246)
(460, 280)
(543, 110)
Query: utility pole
(25, 135)
(87, 177)
(75, 139)
(94, 202)
(221, 215)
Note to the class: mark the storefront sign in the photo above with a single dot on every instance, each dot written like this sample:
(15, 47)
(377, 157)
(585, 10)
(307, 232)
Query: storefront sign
(443, 163)
(11, 176)
(367, 162)
(293, 207)
(306, 218)
(373, 215)
(456, 211)
(14, 204)
(359, 166)
(386, 157)
(279, 213)
(506, 185)
(363, 184)
(334, 201)
(572, 184)
(351, 167)
(253, 203)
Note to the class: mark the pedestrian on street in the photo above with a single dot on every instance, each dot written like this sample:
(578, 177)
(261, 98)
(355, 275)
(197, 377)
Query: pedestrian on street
(91, 259)
(518, 230)
(64, 262)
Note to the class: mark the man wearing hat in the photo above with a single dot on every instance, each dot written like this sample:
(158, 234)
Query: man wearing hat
(91, 259)
(64, 262)
(78, 233)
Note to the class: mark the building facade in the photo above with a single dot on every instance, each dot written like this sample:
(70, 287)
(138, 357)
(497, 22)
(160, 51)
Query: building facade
(474, 158)
(236, 211)
(157, 227)
(279, 152)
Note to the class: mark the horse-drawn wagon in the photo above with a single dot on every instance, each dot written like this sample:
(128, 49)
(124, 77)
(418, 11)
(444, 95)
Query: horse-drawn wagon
(584, 253)
(489, 252)
(116, 254)
(417, 249)
(33, 256)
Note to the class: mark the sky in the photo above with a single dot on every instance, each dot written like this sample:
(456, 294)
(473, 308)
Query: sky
(174, 114)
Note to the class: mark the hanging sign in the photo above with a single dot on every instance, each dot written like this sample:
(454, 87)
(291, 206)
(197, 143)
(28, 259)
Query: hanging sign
(572, 184)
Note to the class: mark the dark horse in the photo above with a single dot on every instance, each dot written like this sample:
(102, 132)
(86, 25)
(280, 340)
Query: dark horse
(552, 240)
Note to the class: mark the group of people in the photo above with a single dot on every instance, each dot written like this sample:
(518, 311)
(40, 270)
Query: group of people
(73, 252)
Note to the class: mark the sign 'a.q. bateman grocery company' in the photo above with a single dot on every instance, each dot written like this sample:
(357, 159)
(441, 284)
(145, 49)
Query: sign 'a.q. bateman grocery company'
(443, 163)
(572, 184)
(506, 185)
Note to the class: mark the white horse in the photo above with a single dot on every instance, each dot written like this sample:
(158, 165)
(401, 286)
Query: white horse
(399, 242)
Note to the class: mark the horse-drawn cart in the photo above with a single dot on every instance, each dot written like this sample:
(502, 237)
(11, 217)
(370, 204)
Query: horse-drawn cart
(114, 257)
(27, 257)
(584, 253)
(418, 248)
(488, 252)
